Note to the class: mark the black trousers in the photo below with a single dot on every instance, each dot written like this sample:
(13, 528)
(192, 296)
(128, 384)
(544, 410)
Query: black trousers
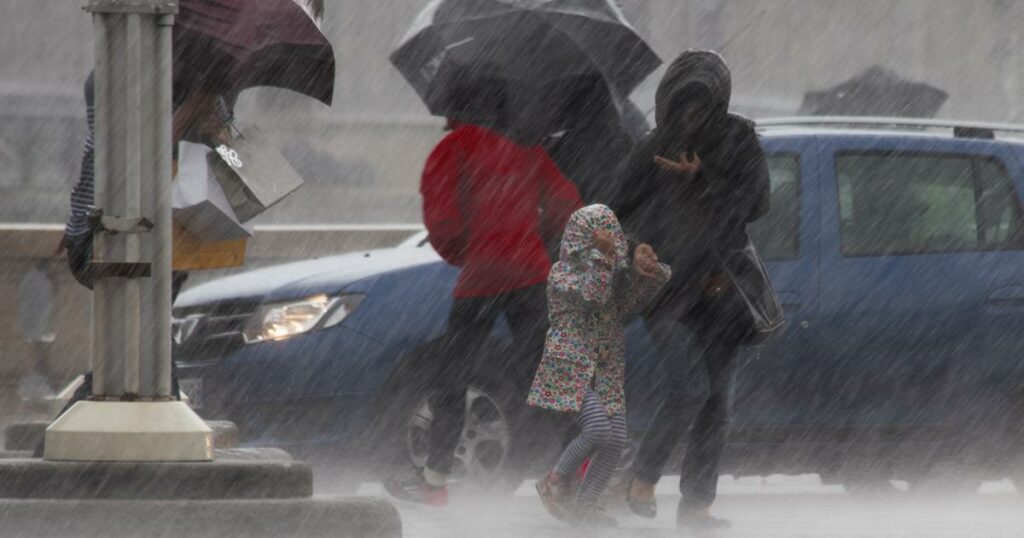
(698, 362)
(461, 359)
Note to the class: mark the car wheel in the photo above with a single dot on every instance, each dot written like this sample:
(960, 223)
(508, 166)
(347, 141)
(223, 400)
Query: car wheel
(483, 455)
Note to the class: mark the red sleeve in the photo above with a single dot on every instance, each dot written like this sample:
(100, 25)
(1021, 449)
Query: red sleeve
(440, 189)
(559, 199)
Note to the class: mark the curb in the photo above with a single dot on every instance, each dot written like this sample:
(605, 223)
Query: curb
(299, 518)
(224, 479)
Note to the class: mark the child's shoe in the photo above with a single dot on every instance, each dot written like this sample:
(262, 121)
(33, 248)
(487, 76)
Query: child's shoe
(556, 495)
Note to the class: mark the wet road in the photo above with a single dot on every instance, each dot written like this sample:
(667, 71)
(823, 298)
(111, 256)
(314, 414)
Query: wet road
(776, 506)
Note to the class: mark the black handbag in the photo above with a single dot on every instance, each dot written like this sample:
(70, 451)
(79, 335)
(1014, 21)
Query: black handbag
(748, 276)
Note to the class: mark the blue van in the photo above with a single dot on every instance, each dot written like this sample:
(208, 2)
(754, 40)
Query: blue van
(896, 247)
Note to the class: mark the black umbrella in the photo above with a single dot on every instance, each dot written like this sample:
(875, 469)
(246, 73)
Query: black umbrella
(525, 44)
(876, 92)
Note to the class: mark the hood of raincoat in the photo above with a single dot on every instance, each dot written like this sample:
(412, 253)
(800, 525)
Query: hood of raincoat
(692, 71)
(578, 238)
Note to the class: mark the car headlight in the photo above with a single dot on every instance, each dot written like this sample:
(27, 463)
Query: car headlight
(281, 321)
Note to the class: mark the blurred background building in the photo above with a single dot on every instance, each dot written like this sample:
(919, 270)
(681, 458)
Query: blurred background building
(362, 157)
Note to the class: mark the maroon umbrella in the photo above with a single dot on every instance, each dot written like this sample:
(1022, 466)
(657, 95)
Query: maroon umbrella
(231, 45)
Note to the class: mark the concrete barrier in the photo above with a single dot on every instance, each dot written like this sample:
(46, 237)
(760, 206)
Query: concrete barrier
(270, 242)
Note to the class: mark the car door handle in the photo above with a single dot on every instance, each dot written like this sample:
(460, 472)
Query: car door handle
(1008, 296)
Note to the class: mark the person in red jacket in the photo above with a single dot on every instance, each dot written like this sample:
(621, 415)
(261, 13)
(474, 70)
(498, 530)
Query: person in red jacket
(490, 206)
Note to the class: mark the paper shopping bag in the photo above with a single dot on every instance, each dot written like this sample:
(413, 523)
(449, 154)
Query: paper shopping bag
(253, 173)
(199, 202)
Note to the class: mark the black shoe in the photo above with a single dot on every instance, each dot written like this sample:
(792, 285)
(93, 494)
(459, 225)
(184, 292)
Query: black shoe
(414, 488)
(700, 520)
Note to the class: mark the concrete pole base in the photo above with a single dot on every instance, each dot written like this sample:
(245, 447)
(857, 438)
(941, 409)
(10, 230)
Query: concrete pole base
(129, 431)
(29, 435)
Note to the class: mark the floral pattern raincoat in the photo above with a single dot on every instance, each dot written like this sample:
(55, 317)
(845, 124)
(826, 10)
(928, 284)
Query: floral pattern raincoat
(589, 296)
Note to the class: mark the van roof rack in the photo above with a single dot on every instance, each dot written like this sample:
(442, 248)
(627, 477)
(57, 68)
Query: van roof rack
(961, 129)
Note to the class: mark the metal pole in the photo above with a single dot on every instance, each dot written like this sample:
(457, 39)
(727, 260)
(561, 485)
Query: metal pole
(134, 179)
(111, 248)
(131, 416)
(101, 170)
(163, 237)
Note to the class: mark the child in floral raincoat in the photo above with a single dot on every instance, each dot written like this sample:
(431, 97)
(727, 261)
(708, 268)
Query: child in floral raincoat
(591, 290)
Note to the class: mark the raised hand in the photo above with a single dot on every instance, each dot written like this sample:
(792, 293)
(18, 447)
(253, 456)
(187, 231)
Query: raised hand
(645, 261)
(685, 166)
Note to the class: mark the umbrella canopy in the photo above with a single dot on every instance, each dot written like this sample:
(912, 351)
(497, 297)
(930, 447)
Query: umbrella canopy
(313, 8)
(876, 92)
(527, 44)
(237, 44)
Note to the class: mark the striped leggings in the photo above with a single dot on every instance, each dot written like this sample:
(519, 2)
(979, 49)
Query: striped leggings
(603, 439)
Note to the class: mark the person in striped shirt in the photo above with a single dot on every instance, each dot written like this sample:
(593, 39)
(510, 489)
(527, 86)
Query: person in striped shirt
(201, 116)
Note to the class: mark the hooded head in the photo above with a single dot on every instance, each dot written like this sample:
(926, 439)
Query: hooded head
(694, 94)
(578, 238)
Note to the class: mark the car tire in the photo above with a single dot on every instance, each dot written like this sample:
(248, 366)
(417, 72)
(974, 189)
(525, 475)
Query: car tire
(485, 459)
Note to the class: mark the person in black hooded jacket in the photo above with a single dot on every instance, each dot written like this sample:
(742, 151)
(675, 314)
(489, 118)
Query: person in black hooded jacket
(689, 189)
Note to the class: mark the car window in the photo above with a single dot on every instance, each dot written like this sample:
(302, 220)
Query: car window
(777, 234)
(999, 211)
(916, 204)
